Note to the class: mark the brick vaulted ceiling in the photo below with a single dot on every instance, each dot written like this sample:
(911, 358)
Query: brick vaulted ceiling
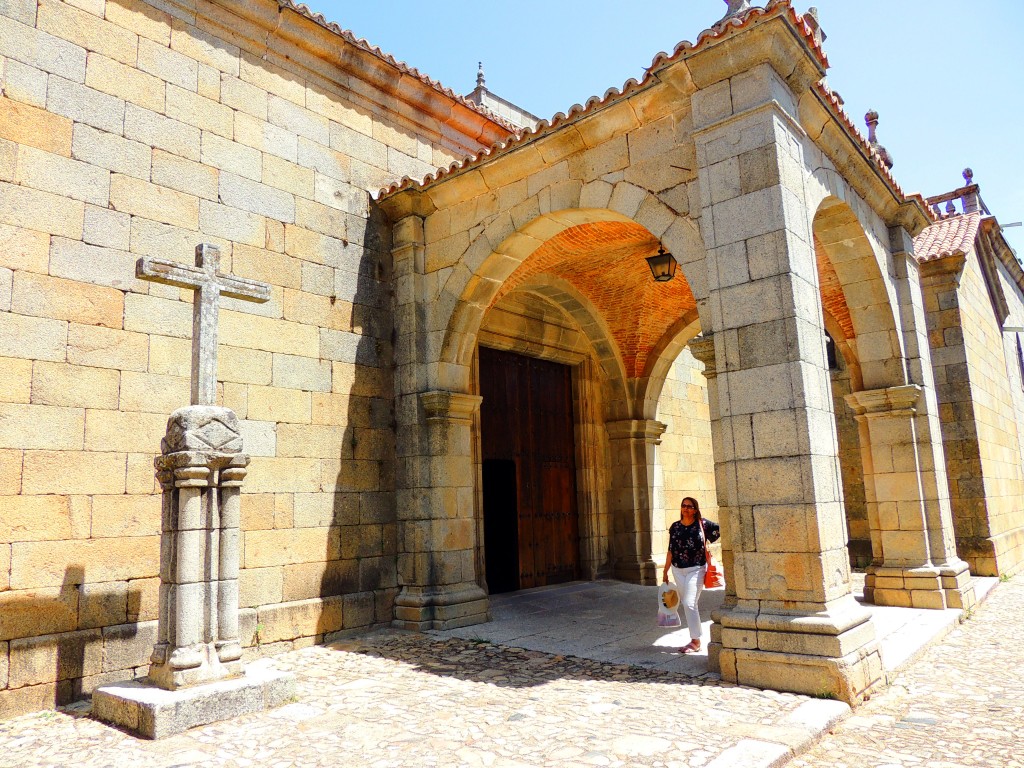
(605, 263)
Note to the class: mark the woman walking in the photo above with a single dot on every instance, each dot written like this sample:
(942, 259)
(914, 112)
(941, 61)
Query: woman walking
(686, 557)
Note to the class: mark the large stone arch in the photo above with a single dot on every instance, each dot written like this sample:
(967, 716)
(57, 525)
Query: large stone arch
(484, 269)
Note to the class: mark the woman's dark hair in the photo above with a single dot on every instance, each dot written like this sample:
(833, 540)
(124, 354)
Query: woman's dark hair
(696, 504)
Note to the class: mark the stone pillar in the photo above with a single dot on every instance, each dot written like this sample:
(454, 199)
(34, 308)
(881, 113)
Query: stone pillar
(902, 572)
(794, 624)
(913, 543)
(437, 563)
(200, 470)
(633, 443)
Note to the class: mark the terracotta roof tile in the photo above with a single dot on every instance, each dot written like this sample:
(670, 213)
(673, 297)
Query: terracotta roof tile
(947, 237)
(722, 29)
(318, 18)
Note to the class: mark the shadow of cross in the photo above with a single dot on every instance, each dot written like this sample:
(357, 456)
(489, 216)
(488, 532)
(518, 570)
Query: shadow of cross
(209, 285)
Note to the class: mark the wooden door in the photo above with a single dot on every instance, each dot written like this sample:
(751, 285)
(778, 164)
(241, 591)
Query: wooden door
(529, 471)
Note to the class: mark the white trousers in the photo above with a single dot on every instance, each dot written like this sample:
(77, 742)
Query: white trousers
(690, 582)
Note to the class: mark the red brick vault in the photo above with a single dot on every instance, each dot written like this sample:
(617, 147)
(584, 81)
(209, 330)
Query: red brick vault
(605, 262)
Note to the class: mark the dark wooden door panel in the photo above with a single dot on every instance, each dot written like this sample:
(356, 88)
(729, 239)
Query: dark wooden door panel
(526, 419)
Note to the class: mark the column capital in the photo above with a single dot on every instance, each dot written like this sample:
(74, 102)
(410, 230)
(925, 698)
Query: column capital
(442, 405)
(642, 429)
(888, 401)
(703, 348)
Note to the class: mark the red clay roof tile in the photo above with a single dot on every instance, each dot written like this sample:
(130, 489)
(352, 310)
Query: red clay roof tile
(947, 237)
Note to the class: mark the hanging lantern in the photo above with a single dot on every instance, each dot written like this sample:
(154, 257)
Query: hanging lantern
(663, 265)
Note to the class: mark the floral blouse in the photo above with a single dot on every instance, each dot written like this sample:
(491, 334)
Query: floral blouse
(686, 545)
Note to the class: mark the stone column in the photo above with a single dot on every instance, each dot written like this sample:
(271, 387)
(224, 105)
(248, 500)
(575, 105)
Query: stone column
(200, 470)
(633, 443)
(703, 349)
(794, 624)
(913, 544)
(437, 564)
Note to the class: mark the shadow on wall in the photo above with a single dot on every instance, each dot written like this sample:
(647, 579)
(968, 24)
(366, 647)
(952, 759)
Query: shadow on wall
(58, 646)
(360, 576)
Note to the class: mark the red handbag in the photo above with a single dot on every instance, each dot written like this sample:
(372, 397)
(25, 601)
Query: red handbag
(713, 576)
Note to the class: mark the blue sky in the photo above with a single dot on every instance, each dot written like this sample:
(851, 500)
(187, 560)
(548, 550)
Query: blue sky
(945, 75)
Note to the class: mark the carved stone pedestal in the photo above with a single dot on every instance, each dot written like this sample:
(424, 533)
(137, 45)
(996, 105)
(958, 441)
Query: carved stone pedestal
(195, 675)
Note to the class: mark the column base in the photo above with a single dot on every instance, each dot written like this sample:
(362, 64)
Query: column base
(155, 713)
(636, 571)
(832, 654)
(446, 607)
(174, 668)
(935, 587)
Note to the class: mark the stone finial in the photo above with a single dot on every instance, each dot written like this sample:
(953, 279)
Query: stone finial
(480, 81)
(968, 176)
(735, 8)
(871, 118)
(811, 20)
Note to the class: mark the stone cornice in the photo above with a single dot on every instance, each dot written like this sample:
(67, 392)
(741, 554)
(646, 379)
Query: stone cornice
(359, 71)
(442, 405)
(833, 133)
(703, 349)
(890, 401)
(633, 429)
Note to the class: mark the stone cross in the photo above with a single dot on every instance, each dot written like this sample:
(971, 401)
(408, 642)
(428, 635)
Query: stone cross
(209, 285)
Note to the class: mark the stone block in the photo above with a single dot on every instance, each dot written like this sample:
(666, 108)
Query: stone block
(311, 440)
(270, 335)
(36, 565)
(260, 586)
(232, 224)
(265, 137)
(62, 299)
(245, 366)
(10, 485)
(243, 96)
(314, 309)
(27, 613)
(125, 516)
(270, 548)
(303, 618)
(206, 114)
(154, 202)
(36, 518)
(72, 472)
(139, 17)
(86, 105)
(292, 117)
(33, 337)
(155, 315)
(232, 157)
(125, 82)
(15, 380)
(279, 405)
(304, 373)
(24, 249)
(266, 266)
(74, 386)
(156, 713)
(289, 177)
(34, 127)
(41, 427)
(44, 51)
(153, 393)
(184, 175)
(107, 229)
(110, 151)
(126, 646)
(41, 211)
(154, 129)
(167, 64)
(101, 605)
(100, 347)
(205, 48)
(325, 161)
(29, 699)
(125, 432)
(53, 657)
(88, 31)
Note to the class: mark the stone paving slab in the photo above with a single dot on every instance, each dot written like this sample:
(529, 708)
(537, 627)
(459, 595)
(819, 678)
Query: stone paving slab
(394, 699)
(960, 704)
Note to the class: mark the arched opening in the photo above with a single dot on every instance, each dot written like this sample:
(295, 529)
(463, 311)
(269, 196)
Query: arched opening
(863, 353)
(582, 309)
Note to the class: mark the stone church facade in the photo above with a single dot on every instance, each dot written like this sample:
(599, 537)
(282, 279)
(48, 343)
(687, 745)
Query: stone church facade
(382, 459)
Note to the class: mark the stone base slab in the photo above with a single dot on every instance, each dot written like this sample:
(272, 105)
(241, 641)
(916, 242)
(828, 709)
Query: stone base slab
(933, 587)
(450, 607)
(155, 713)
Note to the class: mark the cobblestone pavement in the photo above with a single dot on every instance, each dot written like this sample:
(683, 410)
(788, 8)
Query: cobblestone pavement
(960, 704)
(395, 699)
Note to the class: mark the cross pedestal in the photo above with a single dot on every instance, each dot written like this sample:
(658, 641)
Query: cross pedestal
(196, 674)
